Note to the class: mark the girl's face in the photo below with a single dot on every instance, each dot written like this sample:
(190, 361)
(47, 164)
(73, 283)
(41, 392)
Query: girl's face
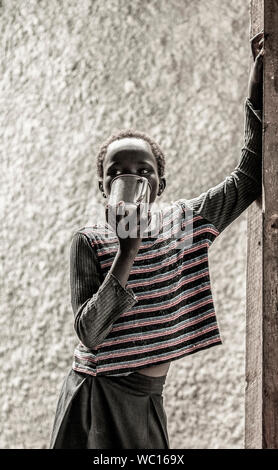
(134, 156)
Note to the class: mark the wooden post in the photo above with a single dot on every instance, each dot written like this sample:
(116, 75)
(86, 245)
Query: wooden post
(261, 405)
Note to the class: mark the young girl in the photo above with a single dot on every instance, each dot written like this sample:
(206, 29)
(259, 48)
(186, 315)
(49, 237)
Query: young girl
(140, 303)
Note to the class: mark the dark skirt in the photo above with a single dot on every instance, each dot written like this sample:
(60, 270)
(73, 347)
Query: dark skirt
(106, 412)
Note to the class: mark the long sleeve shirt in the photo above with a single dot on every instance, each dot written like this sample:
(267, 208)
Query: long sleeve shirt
(106, 314)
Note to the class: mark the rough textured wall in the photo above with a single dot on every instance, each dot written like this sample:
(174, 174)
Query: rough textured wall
(72, 73)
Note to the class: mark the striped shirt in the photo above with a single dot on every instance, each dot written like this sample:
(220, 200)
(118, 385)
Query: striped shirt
(166, 311)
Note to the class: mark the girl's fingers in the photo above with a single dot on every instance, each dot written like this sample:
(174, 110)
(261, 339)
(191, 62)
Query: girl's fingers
(259, 58)
(120, 208)
(258, 51)
(142, 217)
(257, 36)
(257, 42)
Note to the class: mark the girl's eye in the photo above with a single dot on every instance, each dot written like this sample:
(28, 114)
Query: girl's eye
(115, 172)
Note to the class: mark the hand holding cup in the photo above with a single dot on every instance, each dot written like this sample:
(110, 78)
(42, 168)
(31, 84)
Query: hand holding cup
(129, 222)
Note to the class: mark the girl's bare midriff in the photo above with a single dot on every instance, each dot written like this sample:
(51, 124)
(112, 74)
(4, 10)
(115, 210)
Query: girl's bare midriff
(156, 371)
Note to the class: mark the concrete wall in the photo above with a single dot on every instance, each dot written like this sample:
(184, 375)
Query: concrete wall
(72, 73)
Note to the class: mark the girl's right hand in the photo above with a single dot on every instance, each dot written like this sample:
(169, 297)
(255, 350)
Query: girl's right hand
(255, 84)
(115, 213)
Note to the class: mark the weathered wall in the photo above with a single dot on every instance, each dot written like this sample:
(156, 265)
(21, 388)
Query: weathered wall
(73, 72)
